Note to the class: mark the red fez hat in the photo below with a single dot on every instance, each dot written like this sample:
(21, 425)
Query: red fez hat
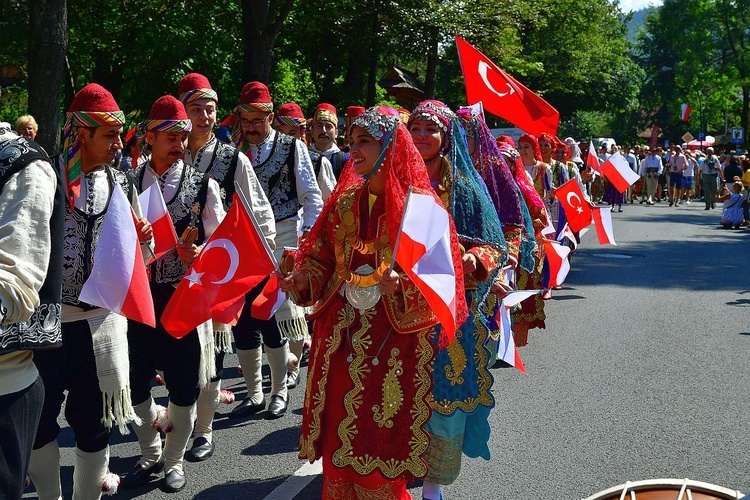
(290, 114)
(326, 112)
(195, 86)
(256, 95)
(167, 108)
(354, 111)
(93, 98)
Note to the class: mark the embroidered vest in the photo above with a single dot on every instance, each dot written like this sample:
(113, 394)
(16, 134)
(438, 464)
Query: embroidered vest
(82, 232)
(185, 208)
(276, 176)
(338, 160)
(42, 330)
(221, 168)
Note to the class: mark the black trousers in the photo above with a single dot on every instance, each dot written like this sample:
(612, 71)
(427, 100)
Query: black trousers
(72, 367)
(19, 417)
(154, 349)
(250, 333)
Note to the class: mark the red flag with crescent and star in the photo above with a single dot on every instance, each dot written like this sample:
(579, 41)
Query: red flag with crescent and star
(233, 260)
(577, 210)
(502, 95)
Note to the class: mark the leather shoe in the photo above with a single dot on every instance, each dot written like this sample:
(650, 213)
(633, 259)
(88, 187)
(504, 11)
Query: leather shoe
(200, 451)
(174, 481)
(292, 379)
(247, 408)
(276, 408)
(141, 475)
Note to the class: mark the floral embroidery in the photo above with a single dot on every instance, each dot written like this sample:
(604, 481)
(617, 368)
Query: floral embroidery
(393, 396)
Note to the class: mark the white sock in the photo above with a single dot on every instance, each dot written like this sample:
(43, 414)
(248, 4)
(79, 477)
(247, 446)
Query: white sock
(44, 470)
(296, 348)
(148, 437)
(88, 474)
(182, 418)
(431, 491)
(205, 408)
(252, 362)
(277, 361)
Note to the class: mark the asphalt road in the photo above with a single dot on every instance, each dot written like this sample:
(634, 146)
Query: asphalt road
(641, 373)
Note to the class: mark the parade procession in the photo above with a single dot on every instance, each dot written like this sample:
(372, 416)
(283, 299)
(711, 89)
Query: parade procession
(208, 280)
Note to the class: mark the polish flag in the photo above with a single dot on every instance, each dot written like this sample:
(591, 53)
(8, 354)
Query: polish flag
(270, 299)
(507, 350)
(591, 159)
(155, 211)
(423, 250)
(577, 211)
(118, 279)
(559, 267)
(603, 225)
(685, 112)
(617, 171)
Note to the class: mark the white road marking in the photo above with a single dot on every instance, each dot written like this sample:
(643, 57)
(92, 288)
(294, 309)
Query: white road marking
(297, 481)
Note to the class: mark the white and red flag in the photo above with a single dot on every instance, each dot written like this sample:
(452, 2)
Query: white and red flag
(577, 210)
(591, 159)
(568, 233)
(155, 211)
(502, 95)
(685, 112)
(603, 225)
(118, 279)
(617, 171)
(423, 250)
(507, 349)
(559, 266)
(221, 274)
(270, 299)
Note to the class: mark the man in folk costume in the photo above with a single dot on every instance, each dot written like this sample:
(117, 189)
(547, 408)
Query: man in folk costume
(325, 129)
(285, 171)
(290, 120)
(224, 163)
(93, 363)
(194, 203)
(30, 277)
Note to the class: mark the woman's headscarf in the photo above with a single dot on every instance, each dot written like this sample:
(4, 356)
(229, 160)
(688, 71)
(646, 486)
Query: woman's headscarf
(403, 168)
(575, 151)
(534, 143)
(492, 168)
(472, 209)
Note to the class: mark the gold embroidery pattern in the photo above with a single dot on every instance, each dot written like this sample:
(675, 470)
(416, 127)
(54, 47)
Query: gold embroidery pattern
(307, 445)
(393, 396)
(444, 459)
(383, 492)
(457, 356)
(339, 490)
(418, 409)
(481, 357)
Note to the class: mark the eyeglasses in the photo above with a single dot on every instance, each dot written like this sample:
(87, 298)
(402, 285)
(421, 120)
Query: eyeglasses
(257, 123)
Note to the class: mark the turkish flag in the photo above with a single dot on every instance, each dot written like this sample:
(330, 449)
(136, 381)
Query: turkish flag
(617, 171)
(577, 211)
(502, 95)
(234, 259)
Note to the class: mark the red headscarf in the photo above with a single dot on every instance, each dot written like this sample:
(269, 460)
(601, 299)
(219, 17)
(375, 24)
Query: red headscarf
(403, 168)
(532, 140)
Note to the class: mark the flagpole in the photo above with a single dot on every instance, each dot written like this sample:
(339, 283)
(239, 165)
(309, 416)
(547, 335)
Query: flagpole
(250, 214)
(400, 228)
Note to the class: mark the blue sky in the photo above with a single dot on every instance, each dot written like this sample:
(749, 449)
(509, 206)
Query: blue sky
(628, 5)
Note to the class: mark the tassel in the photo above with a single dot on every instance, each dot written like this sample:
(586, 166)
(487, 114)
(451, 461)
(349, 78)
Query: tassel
(162, 423)
(110, 483)
(226, 397)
